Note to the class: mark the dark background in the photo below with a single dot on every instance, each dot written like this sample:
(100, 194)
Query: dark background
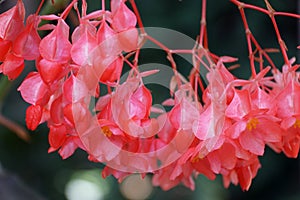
(29, 172)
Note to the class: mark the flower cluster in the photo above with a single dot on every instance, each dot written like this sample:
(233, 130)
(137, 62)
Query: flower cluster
(218, 127)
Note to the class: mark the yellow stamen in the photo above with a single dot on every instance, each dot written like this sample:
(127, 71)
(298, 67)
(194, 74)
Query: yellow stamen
(252, 123)
(106, 131)
(195, 159)
(297, 123)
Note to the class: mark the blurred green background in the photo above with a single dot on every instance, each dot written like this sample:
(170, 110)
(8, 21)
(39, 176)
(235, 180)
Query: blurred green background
(27, 171)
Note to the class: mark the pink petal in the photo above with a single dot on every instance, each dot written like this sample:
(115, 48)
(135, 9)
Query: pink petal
(74, 89)
(268, 130)
(102, 102)
(128, 39)
(123, 17)
(12, 66)
(140, 103)
(5, 46)
(251, 143)
(50, 71)
(227, 156)
(215, 162)
(33, 89)
(11, 22)
(104, 32)
(56, 46)
(81, 49)
(240, 105)
(245, 178)
(113, 72)
(236, 129)
(27, 43)
(261, 99)
(33, 116)
(68, 148)
(57, 136)
(210, 123)
(288, 122)
(56, 112)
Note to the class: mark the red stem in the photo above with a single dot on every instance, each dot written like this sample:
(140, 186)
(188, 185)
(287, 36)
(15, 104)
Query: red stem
(287, 14)
(84, 8)
(137, 14)
(159, 44)
(267, 12)
(20, 131)
(281, 42)
(40, 7)
(67, 10)
(249, 44)
(203, 25)
(103, 5)
(272, 13)
(263, 52)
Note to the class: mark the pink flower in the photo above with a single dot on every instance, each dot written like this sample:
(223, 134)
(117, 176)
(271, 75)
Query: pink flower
(170, 176)
(27, 43)
(223, 159)
(56, 46)
(288, 109)
(11, 22)
(243, 173)
(253, 127)
(185, 111)
(124, 22)
(212, 122)
(290, 144)
(131, 104)
(84, 41)
(16, 41)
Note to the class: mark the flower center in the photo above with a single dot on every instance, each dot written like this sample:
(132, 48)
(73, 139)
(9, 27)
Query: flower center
(297, 123)
(195, 159)
(106, 131)
(252, 123)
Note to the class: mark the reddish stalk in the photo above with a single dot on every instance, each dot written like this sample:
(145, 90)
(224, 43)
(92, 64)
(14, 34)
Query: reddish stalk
(14, 127)
(271, 13)
(103, 5)
(40, 7)
(138, 16)
(244, 5)
(248, 37)
(287, 14)
(84, 8)
(201, 84)
(67, 10)
(136, 58)
(159, 44)
(263, 52)
(200, 61)
(202, 34)
(281, 43)
(261, 61)
(265, 11)
(183, 51)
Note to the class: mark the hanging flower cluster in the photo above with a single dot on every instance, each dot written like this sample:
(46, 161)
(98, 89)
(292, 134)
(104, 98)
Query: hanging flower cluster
(218, 127)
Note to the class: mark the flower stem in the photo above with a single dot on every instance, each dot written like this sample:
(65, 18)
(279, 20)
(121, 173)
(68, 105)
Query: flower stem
(203, 34)
(14, 127)
(5, 85)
